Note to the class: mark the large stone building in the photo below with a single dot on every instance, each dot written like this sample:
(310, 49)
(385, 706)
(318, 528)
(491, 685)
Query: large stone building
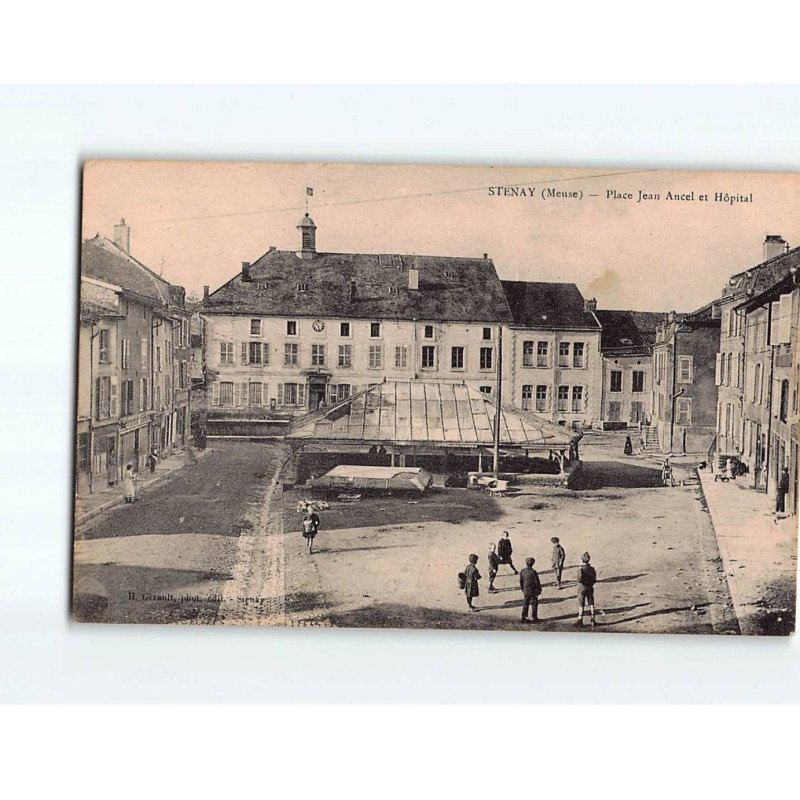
(769, 318)
(133, 390)
(300, 329)
(627, 343)
(552, 363)
(684, 386)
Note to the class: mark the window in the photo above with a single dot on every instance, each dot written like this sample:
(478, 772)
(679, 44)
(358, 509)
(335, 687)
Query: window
(345, 355)
(429, 332)
(541, 354)
(125, 360)
(784, 409)
(158, 358)
(291, 354)
(683, 414)
(127, 398)
(577, 355)
(616, 380)
(637, 382)
(291, 327)
(103, 346)
(728, 369)
(343, 391)
(428, 357)
(541, 398)
(527, 354)
(615, 411)
(317, 355)
(485, 389)
(255, 353)
(302, 286)
(486, 358)
(686, 369)
(563, 398)
(102, 398)
(344, 329)
(225, 354)
(143, 395)
(83, 452)
(291, 394)
(577, 398)
(563, 354)
(401, 357)
(254, 396)
(637, 411)
(375, 330)
(375, 356)
(457, 358)
(527, 397)
(757, 384)
(487, 334)
(255, 327)
(226, 393)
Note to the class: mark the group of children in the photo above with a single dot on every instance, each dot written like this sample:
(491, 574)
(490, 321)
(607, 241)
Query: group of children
(530, 584)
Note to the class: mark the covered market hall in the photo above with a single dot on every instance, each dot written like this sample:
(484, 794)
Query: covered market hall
(408, 423)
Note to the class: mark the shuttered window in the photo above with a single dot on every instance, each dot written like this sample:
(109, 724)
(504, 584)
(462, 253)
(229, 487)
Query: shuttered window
(541, 397)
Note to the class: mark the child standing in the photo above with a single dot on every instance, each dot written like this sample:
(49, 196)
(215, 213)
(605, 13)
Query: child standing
(558, 560)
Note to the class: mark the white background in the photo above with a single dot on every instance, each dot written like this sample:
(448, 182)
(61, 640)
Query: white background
(45, 133)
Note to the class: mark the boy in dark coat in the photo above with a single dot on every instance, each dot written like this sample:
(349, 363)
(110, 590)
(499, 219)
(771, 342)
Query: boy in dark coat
(531, 589)
(471, 578)
(494, 565)
(559, 558)
(587, 577)
(504, 551)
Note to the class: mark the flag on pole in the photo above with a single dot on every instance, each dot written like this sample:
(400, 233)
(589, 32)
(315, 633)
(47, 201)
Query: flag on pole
(309, 191)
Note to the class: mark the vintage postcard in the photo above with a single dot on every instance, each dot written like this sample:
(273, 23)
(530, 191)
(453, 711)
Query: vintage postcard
(520, 399)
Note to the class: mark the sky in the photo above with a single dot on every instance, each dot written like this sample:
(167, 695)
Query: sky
(195, 222)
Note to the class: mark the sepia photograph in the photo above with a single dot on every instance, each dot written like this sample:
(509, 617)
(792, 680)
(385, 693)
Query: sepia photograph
(438, 397)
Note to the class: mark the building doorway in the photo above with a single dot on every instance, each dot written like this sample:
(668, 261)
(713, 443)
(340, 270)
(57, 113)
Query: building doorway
(316, 396)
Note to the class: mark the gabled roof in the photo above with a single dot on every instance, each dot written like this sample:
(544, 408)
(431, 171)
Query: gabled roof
(760, 278)
(454, 289)
(103, 260)
(537, 304)
(432, 413)
(629, 330)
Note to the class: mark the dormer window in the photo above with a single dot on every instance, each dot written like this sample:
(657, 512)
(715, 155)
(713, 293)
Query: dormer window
(394, 290)
(301, 286)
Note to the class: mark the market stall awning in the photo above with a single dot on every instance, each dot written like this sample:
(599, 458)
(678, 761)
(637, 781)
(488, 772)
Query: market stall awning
(430, 413)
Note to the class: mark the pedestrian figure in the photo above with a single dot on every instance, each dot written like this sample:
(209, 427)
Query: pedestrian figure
(666, 473)
(628, 446)
(152, 458)
(129, 484)
(531, 589)
(783, 490)
(471, 578)
(494, 566)
(310, 528)
(587, 577)
(559, 558)
(504, 551)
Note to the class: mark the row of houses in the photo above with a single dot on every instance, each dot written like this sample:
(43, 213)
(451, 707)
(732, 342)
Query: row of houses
(297, 330)
(133, 389)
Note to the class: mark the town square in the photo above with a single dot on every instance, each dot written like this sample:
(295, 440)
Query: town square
(362, 439)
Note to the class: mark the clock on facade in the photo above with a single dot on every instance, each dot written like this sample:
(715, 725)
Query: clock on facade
(318, 325)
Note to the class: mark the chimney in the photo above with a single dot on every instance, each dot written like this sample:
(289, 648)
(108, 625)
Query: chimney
(205, 293)
(774, 246)
(352, 291)
(413, 278)
(308, 237)
(485, 256)
(245, 271)
(590, 305)
(122, 236)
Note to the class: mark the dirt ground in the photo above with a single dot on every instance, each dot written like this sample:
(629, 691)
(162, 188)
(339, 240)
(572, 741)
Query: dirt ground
(393, 561)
